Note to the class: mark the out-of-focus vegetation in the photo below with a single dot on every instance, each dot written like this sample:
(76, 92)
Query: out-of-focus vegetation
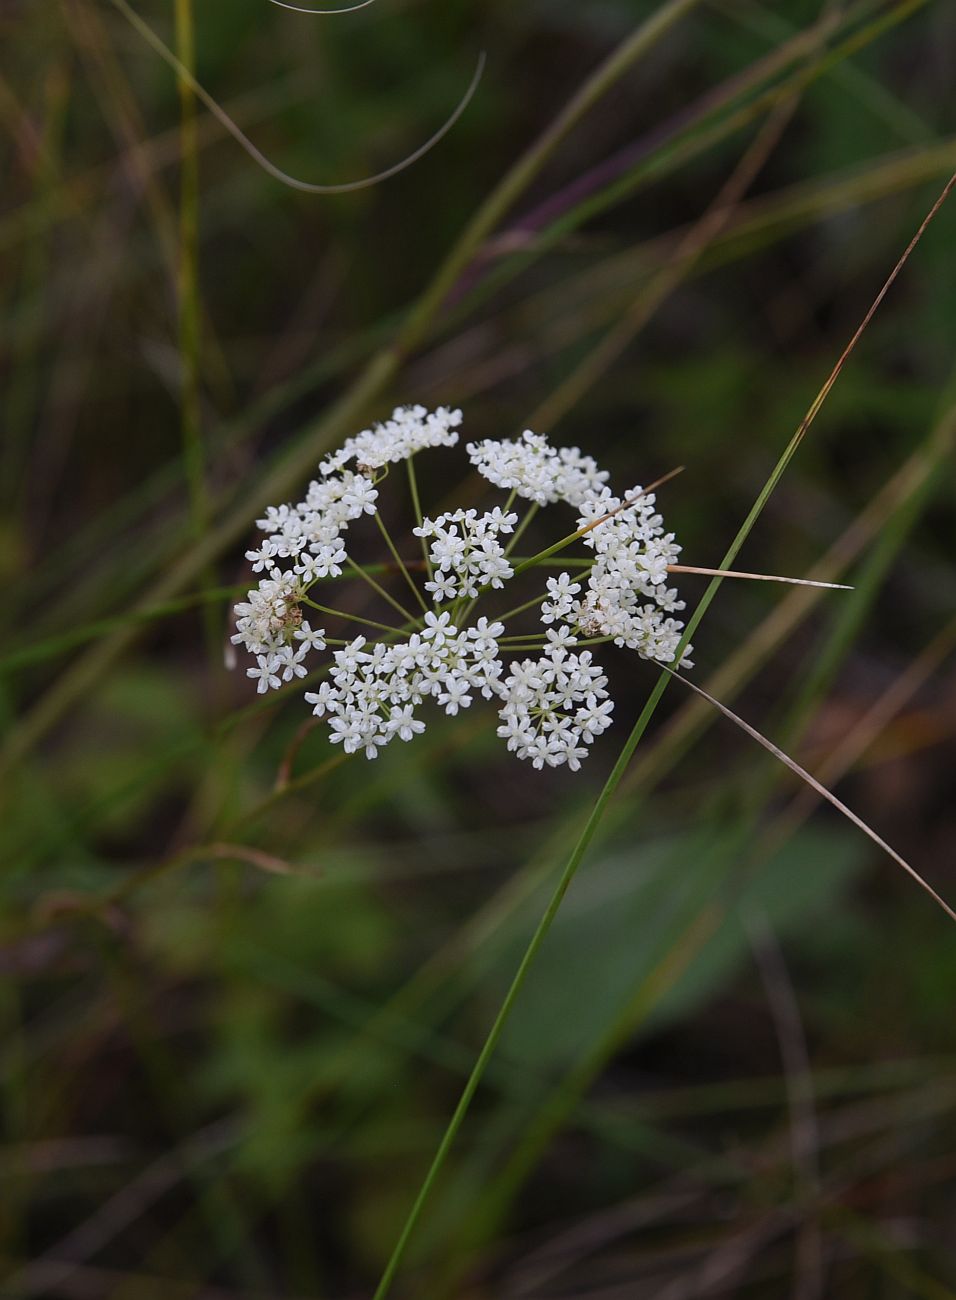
(242, 986)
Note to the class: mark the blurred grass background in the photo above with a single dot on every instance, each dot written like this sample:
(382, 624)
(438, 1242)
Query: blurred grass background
(242, 984)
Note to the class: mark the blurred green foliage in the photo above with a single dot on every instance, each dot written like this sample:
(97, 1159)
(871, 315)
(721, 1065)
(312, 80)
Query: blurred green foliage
(236, 1018)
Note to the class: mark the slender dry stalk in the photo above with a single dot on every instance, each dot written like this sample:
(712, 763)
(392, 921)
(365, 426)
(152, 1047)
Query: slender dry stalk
(819, 789)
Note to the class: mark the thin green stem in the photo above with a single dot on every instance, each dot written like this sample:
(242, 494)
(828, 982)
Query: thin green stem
(417, 507)
(518, 645)
(527, 961)
(377, 586)
(566, 561)
(620, 767)
(521, 609)
(398, 560)
(352, 618)
(521, 527)
(524, 565)
(463, 613)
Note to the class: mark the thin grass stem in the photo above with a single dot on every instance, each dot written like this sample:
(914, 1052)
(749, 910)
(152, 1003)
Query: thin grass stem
(819, 789)
(309, 187)
(527, 961)
(620, 767)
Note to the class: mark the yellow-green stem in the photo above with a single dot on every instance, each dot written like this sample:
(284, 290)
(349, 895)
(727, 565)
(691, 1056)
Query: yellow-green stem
(417, 507)
(399, 561)
(377, 586)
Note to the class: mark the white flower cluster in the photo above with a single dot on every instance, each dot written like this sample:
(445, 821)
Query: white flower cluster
(554, 706)
(627, 597)
(310, 534)
(372, 693)
(410, 429)
(271, 626)
(465, 552)
(553, 703)
(536, 470)
(560, 603)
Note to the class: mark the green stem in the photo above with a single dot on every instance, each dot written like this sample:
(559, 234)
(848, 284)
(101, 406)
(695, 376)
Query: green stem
(377, 586)
(521, 527)
(399, 561)
(417, 507)
(546, 554)
(527, 961)
(187, 274)
(521, 609)
(352, 618)
(523, 565)
(517, 645)
(538, 600)
(620, 767)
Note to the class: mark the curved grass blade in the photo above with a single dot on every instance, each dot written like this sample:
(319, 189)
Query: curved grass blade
(819, 789)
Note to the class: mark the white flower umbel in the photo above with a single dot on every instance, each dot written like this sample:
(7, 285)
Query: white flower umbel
(534, 469)
(551, 694)
(627, 597)
(373, 691)
(465, 552)
(410, 429)
(554, 706)
(271, 616)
